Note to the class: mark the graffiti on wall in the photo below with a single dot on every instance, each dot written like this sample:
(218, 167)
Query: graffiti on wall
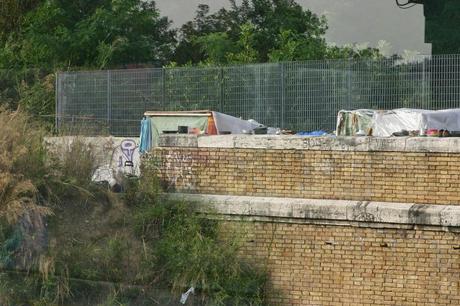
(122, 158)
(126, 158)
(178, 169)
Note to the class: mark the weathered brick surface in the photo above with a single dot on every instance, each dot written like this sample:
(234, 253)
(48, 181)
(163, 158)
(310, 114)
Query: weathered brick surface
(432, 178)
(335, 265)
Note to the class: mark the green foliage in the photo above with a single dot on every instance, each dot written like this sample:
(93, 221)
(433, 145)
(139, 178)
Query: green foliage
(97, 34)
(247, 53)
(190, 252)
(442, 19)
(291, 46)
(37, 97)
(258, 31)
(75, 164)
(12, 13)
(10, 239)
(216, 47)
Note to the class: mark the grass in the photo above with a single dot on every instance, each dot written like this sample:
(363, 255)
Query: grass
(66, 241)
(186, 250)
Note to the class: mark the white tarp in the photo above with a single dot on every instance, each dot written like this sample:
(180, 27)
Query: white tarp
(385, 123)
(448, 119)
(226, 123)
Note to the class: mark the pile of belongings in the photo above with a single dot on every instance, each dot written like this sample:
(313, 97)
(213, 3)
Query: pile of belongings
(398, 122)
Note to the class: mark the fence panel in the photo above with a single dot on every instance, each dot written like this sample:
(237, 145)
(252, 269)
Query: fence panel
(192, 89)
(253, 92)
(295, 95)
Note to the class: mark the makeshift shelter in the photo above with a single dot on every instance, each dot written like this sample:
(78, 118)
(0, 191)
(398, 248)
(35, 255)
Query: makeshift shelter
(384, 123)
(350, 123)
(203, 122)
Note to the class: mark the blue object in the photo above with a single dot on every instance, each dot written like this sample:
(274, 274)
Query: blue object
(146, 135)
(312, 134)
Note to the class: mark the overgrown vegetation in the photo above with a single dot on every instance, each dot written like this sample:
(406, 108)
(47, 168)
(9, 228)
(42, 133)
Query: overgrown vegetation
(189, 252)
(67, 241)
(22, 166)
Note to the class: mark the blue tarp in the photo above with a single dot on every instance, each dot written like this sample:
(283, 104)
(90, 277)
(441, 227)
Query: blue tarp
(313, 134)
(146, 135)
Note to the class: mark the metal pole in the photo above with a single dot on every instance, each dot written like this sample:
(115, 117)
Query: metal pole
(283, 96)
(424, 102)
(109, 98)
(349, 84)
(221, 98)
(163, 87)
(56, 106)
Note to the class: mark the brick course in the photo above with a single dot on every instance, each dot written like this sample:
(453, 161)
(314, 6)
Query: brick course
(311, 264)
(407, 177)
(337, 265)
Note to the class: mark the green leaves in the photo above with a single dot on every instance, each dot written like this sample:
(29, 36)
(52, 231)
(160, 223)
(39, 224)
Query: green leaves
(257, 31)
(95, 34)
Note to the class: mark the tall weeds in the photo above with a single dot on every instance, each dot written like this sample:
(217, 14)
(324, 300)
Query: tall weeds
(22, 166)
(185, 249)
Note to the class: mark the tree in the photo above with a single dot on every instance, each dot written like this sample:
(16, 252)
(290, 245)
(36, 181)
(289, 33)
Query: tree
(258, 31)
(12, 13)
(90, 33)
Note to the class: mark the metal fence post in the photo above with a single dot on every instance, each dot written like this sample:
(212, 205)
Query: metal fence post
(109, 99)
(424, 99)
(221, 94)
(283, 95)
(349, 85)
(56, 97)
(163, 88)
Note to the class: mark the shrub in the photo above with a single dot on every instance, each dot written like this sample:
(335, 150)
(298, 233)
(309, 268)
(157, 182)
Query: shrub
(189, 253)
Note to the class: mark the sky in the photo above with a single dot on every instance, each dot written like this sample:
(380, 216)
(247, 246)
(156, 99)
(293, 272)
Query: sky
(350, 21)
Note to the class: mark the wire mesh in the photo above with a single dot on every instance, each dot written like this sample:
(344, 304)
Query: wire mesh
(294, 95)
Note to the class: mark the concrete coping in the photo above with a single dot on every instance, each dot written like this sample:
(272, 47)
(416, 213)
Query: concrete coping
(336, 212)
(281, 142)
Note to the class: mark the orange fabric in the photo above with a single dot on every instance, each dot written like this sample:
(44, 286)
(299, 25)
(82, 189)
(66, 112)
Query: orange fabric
(211, 130)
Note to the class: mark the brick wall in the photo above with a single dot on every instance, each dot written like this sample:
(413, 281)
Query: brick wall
(407, 177)
(338, 265)
(360, 263)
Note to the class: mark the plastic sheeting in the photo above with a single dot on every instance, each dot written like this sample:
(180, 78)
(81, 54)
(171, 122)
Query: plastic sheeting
(388, 122)
(171, 123)
(350, 123)
(159, 122)
(226, 123)
(448, 119)
(146, 135)
(385, 123)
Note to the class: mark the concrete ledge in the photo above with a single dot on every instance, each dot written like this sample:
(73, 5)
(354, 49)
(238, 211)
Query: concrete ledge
(363, 214)
(359, 144)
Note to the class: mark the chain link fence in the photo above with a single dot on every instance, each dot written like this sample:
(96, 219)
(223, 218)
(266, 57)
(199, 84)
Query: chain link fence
(295, 95)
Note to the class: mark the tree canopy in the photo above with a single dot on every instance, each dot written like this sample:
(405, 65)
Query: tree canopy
(89, 33)
(112, 33)
(258, 31)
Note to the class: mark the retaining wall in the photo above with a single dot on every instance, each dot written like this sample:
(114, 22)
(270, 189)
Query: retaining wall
(409, 170)
(336, 221)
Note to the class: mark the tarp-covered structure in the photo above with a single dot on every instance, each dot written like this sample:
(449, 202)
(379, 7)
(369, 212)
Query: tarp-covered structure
(384, 123)
(204, 122)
